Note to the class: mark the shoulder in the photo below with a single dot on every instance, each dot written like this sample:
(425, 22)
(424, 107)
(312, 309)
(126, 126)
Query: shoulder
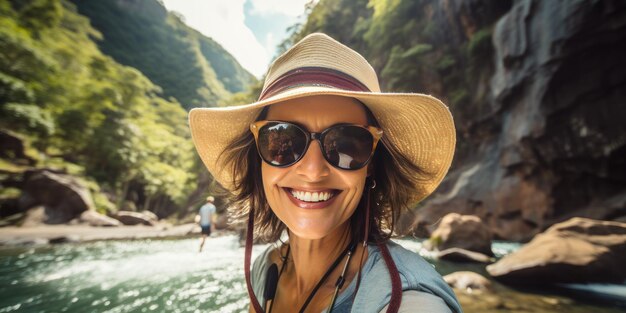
(259, 268)
(412, 266)
(415, 274)
(427, 302)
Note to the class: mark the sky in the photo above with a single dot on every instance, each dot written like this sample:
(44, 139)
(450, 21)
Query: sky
(250, 30)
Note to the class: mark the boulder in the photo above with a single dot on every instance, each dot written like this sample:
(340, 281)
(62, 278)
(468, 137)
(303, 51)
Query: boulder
(462, 255)
(151, 216)
(461, 231)
(34, 217)
(63, 196)
(94, 218)
(468, 281)
(133, 218)
(578, 250)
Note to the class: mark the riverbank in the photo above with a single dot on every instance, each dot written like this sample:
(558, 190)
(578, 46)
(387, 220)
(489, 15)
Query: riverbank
(45, 234)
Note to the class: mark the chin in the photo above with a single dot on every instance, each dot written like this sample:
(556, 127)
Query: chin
(319, 230)
(311, 234)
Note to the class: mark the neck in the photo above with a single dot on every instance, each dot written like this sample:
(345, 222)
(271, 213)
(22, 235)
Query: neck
(313, 257)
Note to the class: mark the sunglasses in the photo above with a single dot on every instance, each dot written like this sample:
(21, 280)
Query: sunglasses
(344, 146)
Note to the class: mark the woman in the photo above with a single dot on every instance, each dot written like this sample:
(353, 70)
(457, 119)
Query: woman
(328, 158)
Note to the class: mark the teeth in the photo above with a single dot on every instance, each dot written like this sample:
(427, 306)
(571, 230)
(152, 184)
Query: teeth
(311, 196)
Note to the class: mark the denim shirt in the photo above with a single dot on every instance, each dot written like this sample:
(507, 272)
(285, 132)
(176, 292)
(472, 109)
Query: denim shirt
(375, 290)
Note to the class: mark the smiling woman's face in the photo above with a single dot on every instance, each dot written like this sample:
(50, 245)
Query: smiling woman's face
(286, 188)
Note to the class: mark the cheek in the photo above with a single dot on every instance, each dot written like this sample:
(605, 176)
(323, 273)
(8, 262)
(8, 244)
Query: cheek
(355, 183)
(271, 176)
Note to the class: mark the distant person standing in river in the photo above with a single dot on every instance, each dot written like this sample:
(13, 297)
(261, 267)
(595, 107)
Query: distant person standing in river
(205, 217)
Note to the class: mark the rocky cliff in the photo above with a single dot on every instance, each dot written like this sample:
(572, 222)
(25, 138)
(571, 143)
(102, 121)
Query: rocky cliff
(548, 140)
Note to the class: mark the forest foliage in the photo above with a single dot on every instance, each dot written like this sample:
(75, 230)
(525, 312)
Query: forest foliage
(81, 111)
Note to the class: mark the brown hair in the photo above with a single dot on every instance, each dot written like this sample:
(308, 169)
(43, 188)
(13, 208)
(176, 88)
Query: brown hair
(395, 175)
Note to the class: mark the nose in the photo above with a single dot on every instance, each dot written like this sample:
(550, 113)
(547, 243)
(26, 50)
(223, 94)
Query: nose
(313, 167)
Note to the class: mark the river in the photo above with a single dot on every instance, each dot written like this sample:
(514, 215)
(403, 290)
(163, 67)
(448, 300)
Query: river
(171, 276)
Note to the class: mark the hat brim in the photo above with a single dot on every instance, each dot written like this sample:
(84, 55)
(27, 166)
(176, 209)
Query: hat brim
(419, 126)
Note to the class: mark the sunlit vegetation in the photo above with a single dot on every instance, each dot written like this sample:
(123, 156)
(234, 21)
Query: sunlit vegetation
(84, 113)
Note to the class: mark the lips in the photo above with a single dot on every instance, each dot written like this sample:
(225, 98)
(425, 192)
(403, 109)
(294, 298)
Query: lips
(317, 199)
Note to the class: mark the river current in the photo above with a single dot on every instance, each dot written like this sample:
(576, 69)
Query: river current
(172, 276)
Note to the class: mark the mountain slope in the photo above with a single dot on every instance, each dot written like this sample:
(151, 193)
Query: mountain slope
(188, 66)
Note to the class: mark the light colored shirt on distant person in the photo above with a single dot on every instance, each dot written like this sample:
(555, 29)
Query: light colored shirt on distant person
(205, 214)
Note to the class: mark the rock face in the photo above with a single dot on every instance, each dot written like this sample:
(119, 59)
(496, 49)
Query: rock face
(548, 142)
(462, 231)
(61, 196)
(578, 250)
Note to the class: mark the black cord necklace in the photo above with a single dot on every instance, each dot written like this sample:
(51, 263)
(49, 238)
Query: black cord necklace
(340, 281)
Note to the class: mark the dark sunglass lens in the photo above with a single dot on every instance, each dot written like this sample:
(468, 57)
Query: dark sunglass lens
(281, 144)
(348, 147)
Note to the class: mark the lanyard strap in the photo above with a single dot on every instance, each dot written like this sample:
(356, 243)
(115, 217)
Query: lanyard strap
(246, 263)
(328, 272)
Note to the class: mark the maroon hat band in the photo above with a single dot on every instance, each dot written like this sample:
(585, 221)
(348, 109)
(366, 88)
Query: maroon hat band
(313, 76)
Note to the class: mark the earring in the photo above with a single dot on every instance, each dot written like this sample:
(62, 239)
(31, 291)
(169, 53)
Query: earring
(373, 184)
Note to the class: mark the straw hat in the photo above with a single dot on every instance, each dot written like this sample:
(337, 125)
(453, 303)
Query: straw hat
(419, 125)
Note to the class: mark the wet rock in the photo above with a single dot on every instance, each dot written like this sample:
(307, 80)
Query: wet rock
(468, 281)
(466, 232)
(576, 251)
(62, 196)
(133, 218)
(63, 239)
(462, 255)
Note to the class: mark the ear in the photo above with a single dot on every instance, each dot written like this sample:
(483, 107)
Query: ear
(370, 170)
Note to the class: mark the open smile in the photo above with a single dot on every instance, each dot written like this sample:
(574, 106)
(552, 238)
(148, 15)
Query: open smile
(309, 199)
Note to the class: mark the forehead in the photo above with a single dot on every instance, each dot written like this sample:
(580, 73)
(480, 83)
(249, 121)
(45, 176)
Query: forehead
(318, 112)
